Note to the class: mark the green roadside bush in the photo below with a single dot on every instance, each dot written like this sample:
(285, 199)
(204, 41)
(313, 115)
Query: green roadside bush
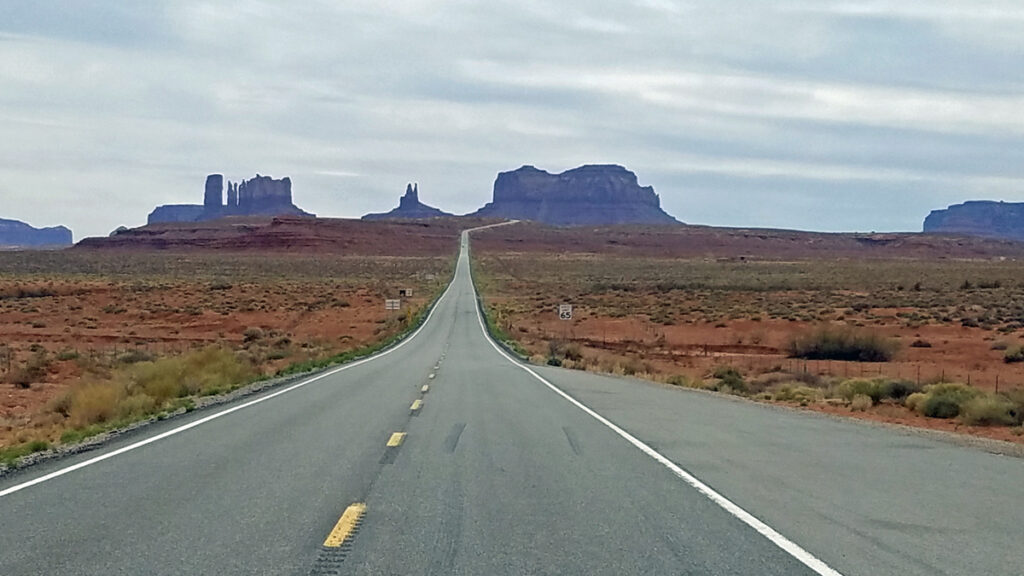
(915, 400)
(877, 389)
(861, 402)
(1016, 396)
(731, 378)
(12, 454)
(944, 400)
(989, 410)
(850, 389)
(802, 395)
(680, 380)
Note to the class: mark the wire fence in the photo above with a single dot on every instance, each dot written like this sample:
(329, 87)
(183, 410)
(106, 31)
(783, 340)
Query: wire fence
(755, 359)
(992, 377)
(11, 360)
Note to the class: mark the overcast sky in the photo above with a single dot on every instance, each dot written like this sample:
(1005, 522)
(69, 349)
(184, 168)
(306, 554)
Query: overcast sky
(812, 114)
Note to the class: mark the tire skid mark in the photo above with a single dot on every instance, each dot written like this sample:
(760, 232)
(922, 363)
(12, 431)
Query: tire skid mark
(452, 441)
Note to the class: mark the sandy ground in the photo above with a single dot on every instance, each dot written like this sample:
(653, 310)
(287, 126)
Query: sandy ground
(277, 310)
(635, 313)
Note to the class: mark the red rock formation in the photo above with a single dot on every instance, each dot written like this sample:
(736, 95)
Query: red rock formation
(979, 218)
(589, 195)
(261, 195)
(409, 208)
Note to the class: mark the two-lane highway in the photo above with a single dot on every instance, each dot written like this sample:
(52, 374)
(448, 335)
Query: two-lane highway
(444, 456)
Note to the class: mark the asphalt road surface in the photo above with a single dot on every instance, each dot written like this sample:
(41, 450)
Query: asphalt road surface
(444, 456)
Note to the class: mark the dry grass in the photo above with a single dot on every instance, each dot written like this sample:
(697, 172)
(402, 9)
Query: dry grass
(701, 291)
(92, 341)
(838, 314)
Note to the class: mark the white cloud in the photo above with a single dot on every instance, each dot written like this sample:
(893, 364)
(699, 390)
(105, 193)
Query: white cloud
(776, 97)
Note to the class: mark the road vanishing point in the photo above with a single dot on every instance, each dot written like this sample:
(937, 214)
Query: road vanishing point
(445, 455)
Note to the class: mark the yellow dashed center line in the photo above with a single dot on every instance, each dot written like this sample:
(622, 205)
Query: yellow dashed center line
(425, 389)
(416, 405)
(432, 376)
(346, 526)
(396, 440)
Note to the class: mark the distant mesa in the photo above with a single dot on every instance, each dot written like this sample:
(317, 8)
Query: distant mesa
(985, 218)
(16, 234)
(409, 208)
(260, 196)
(593, 195)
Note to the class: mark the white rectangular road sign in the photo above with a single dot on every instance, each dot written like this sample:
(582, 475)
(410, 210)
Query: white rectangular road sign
(565, 311)
(390, 304)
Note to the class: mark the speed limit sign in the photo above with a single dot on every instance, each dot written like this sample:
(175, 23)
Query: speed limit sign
(565, 311)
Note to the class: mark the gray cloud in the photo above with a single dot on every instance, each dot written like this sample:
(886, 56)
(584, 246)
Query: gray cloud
(816, 114)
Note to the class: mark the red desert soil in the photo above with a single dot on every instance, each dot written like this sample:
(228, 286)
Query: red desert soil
(664, 301)
(279, 291)
(737, 243)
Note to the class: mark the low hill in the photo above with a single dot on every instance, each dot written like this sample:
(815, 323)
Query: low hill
(289, 234)
(739, 243)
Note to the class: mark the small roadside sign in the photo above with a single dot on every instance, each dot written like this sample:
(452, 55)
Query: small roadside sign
(390, 304)
(405, 292)
(565, 311)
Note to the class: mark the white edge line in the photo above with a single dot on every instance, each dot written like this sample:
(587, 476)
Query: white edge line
(790, 547)
(222, 413)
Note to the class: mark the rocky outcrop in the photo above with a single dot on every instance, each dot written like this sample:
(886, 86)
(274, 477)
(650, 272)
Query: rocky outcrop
(260, 196)
(177, 213)
(409, 208)
(979, 218)
(15, 234)
(214, 196)
(590, 195)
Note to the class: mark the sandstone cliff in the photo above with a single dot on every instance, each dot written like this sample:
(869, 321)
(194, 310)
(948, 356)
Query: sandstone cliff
(979, 218)
(260, 196)
(15, 234)
(409, 208)
(590, 195)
